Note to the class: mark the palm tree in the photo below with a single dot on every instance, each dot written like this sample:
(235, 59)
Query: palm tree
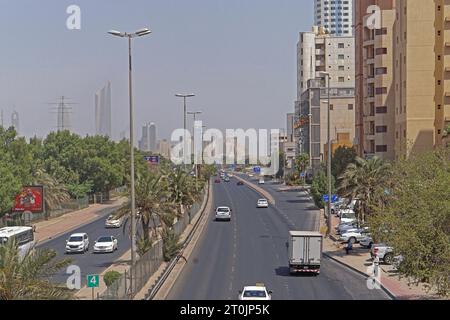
(26, 278)
(367, 181)
(56, 193)
(182, 190)
(152, 204)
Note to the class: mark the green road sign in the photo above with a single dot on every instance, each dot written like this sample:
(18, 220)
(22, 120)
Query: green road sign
(93, 281)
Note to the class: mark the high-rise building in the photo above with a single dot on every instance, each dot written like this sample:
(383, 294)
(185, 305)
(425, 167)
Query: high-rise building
(103, 111)
(290, 127)
(336, 16)
(403, 102)
(148, 140)
(15, 121)
(319, 52)
(164, 148)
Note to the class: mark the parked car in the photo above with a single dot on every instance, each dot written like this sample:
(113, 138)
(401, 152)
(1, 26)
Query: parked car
(384, 252)
(367, 241)
(336, 206)
(217, 181)
(240, 183)
(113, 222)
(344, 227)
(107, 244)
(261, 181)
(77, 243)
(347, 216)
(353, 235)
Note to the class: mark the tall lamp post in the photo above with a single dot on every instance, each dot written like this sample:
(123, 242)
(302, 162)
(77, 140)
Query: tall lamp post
(194, 113)
(184, 96)
(139, 33)
(327, 74)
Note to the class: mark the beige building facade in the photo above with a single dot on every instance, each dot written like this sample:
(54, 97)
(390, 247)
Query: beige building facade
(403, 77)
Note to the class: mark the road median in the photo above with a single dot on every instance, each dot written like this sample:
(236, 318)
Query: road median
(260, 190)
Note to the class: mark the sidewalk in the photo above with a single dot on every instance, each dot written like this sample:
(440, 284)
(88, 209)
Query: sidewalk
(47, 230)
(360, 260)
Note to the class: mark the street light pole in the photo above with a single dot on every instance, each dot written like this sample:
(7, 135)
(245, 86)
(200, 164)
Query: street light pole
(138, 33)
(184, 96)
(329, 156)
(194, 113)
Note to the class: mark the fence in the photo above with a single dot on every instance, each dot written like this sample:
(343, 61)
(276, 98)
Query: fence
(144, 268)
(149, 263)
(20, 219)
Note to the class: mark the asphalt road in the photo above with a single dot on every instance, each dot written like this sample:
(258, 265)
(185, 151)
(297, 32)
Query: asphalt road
(89, 262)
(252, 248)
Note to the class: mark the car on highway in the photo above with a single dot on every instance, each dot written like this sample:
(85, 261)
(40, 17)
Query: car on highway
(217, 181)
(240, 183)
(262, 203)
(257, 292)
(353, 235)
(105, 244)
(223, 213)
(77, 243)
(261, 181)
(114, 222)
(226, 179)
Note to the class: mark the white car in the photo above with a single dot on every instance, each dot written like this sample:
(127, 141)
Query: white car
(77, 243)
(347, 216)
(367, 241)
(261, 181)
(223, 213)
(113, 222)
(258, 292)
(105, 244)
(262, 203)
(354, 235)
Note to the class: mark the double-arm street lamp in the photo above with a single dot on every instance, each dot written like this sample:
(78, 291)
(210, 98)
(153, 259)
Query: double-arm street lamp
(184, 96)
(139, 33)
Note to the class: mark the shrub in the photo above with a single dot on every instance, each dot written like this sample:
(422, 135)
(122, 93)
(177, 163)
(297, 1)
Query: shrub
(171, 247)
(110, 277)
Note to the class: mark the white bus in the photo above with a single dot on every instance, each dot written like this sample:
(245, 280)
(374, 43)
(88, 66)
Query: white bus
(23, 236)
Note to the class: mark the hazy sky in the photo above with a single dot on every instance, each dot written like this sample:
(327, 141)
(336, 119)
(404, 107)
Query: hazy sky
(238, 56)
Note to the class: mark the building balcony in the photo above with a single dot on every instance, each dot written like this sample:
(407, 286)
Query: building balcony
(320, 52)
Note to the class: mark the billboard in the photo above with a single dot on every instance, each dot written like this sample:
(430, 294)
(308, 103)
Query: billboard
(30, 199)
(152, 160)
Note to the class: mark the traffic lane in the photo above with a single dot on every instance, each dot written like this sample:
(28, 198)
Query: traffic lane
(294, 205)
(207, 273)
(335, 281)
(89, 262)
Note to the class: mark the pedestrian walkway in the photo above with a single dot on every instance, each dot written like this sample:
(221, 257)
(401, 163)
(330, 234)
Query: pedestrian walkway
(360, 260)
(49, 229)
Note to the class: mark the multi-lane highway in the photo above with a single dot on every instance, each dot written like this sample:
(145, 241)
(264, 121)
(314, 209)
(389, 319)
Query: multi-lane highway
(89, 262)
(252, 248)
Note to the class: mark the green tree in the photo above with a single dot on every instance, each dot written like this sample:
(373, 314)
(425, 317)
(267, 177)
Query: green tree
(367, 181)
(319, 188)
(26, 278)
(302, 162)
(343, 156)
(416, 219)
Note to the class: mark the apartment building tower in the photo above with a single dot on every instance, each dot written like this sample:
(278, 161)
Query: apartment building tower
(403, 76)
(336, 16)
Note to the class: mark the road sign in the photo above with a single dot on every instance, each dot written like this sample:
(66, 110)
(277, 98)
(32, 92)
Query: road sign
(93, 281)
(302, 174)
(257, 169)
(334, 198)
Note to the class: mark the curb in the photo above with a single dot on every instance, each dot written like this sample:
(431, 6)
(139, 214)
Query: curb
(386, 290)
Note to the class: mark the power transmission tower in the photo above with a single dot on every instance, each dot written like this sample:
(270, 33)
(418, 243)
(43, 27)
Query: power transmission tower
(63, 110)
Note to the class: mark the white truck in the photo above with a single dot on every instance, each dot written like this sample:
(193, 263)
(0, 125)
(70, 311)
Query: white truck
(305, 252)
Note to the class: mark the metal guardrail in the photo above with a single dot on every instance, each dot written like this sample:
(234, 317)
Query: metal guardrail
(157, 286)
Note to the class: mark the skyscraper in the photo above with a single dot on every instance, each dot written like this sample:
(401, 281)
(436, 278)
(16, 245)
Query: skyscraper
(148, 140)
(103, 111)
(335, 16)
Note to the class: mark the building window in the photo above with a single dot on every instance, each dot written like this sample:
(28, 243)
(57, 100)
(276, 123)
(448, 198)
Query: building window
(382, 90)
(382, 148)
(350, 107)
(380, 71)
(341, 79)
(381, 129)
(381, 109)
(380, 51)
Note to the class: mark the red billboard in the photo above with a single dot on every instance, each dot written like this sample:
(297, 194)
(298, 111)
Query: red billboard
(30, 199)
